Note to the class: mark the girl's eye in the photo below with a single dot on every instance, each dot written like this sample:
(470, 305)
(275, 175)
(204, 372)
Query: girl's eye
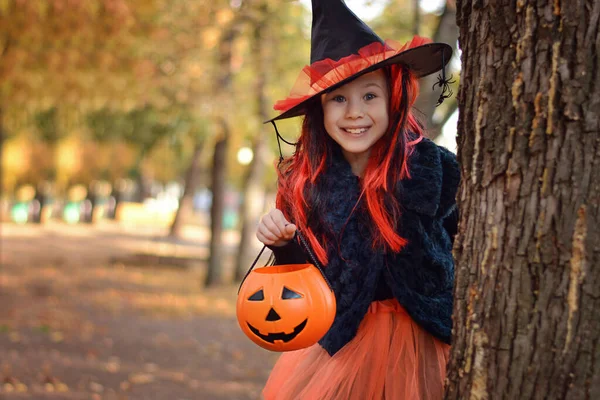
(369, 96)
(339, 99)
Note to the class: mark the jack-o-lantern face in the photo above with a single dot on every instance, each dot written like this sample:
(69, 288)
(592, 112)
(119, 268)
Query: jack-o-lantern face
(286, 307)
(273, 316)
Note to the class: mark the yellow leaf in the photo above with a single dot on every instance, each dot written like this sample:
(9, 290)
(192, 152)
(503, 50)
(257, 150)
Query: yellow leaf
(61, 387)
(56, 337)
(141, 379)
(4, 6)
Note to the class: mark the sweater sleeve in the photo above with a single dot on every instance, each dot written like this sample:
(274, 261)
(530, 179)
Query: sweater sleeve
(291, 253)
(450, 183)
(451, 223)
(451, 179)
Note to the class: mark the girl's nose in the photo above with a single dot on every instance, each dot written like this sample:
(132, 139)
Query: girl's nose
(354, 109)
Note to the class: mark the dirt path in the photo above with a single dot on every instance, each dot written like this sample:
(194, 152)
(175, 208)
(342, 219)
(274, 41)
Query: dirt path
(77, 321)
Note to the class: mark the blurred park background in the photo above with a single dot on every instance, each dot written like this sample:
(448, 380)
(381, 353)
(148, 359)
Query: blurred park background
(135, 166)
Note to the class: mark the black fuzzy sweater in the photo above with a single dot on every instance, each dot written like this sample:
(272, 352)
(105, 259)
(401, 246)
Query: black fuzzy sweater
(420, 276)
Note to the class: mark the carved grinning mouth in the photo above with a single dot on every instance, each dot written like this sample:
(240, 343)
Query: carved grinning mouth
(285, 337)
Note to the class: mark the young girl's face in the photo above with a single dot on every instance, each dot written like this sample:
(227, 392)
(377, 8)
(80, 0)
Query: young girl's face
(356, 114)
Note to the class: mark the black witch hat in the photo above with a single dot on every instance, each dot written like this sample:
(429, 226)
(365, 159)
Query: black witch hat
(343, 48)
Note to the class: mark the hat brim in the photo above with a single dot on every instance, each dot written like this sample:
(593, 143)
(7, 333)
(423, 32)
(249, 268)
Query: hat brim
(422, 61)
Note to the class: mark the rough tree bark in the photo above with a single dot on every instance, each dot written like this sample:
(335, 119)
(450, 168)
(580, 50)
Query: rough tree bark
(253, 191)
(527, 297)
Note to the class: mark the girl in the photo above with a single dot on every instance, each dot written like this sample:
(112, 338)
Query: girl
(376, 201)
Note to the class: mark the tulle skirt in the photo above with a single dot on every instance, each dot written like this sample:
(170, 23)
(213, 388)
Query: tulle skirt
(390, 358)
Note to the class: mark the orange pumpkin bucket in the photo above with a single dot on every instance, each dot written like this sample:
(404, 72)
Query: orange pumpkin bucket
(286, 307)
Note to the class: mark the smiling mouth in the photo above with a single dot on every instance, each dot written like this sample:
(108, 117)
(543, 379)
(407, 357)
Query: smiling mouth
(285, 337)
(355, 131)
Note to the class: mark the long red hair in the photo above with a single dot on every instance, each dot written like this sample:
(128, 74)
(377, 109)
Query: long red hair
(387, 165)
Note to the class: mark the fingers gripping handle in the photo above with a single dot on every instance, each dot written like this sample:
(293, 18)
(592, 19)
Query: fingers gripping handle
(306, 248)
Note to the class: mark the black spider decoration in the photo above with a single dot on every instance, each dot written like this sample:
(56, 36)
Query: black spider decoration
(445, 85)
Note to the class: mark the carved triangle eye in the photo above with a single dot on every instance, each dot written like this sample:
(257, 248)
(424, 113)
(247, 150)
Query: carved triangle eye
(258, 296)
(290, 294)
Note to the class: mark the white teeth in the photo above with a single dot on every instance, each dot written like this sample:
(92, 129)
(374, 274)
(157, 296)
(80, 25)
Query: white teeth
(356, 131)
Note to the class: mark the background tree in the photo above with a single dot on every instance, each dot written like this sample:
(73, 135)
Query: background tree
(268, 21)
(99, 56)
(251, 205)
(527, 308)
(142, 129)
(222, 95)
(192, 180)
(265, 30)
(445, 30)
(50, 55)
(402, 19)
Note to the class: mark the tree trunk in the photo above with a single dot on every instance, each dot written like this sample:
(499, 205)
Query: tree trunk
(214, 273)
(447, 32)
(223, 97)
(187, 200)
(527, 297)
(251, 208)
(7, 43)
(142, 180)
(253, 192)
(2, 139)
(144, 186)
(416, 17)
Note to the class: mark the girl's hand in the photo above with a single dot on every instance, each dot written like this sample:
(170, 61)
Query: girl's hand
(274, 230)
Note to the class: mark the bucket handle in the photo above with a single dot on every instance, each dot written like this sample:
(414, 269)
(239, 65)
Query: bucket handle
(306, 248)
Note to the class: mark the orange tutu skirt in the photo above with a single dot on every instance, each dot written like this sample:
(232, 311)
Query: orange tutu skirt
(391, 357)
